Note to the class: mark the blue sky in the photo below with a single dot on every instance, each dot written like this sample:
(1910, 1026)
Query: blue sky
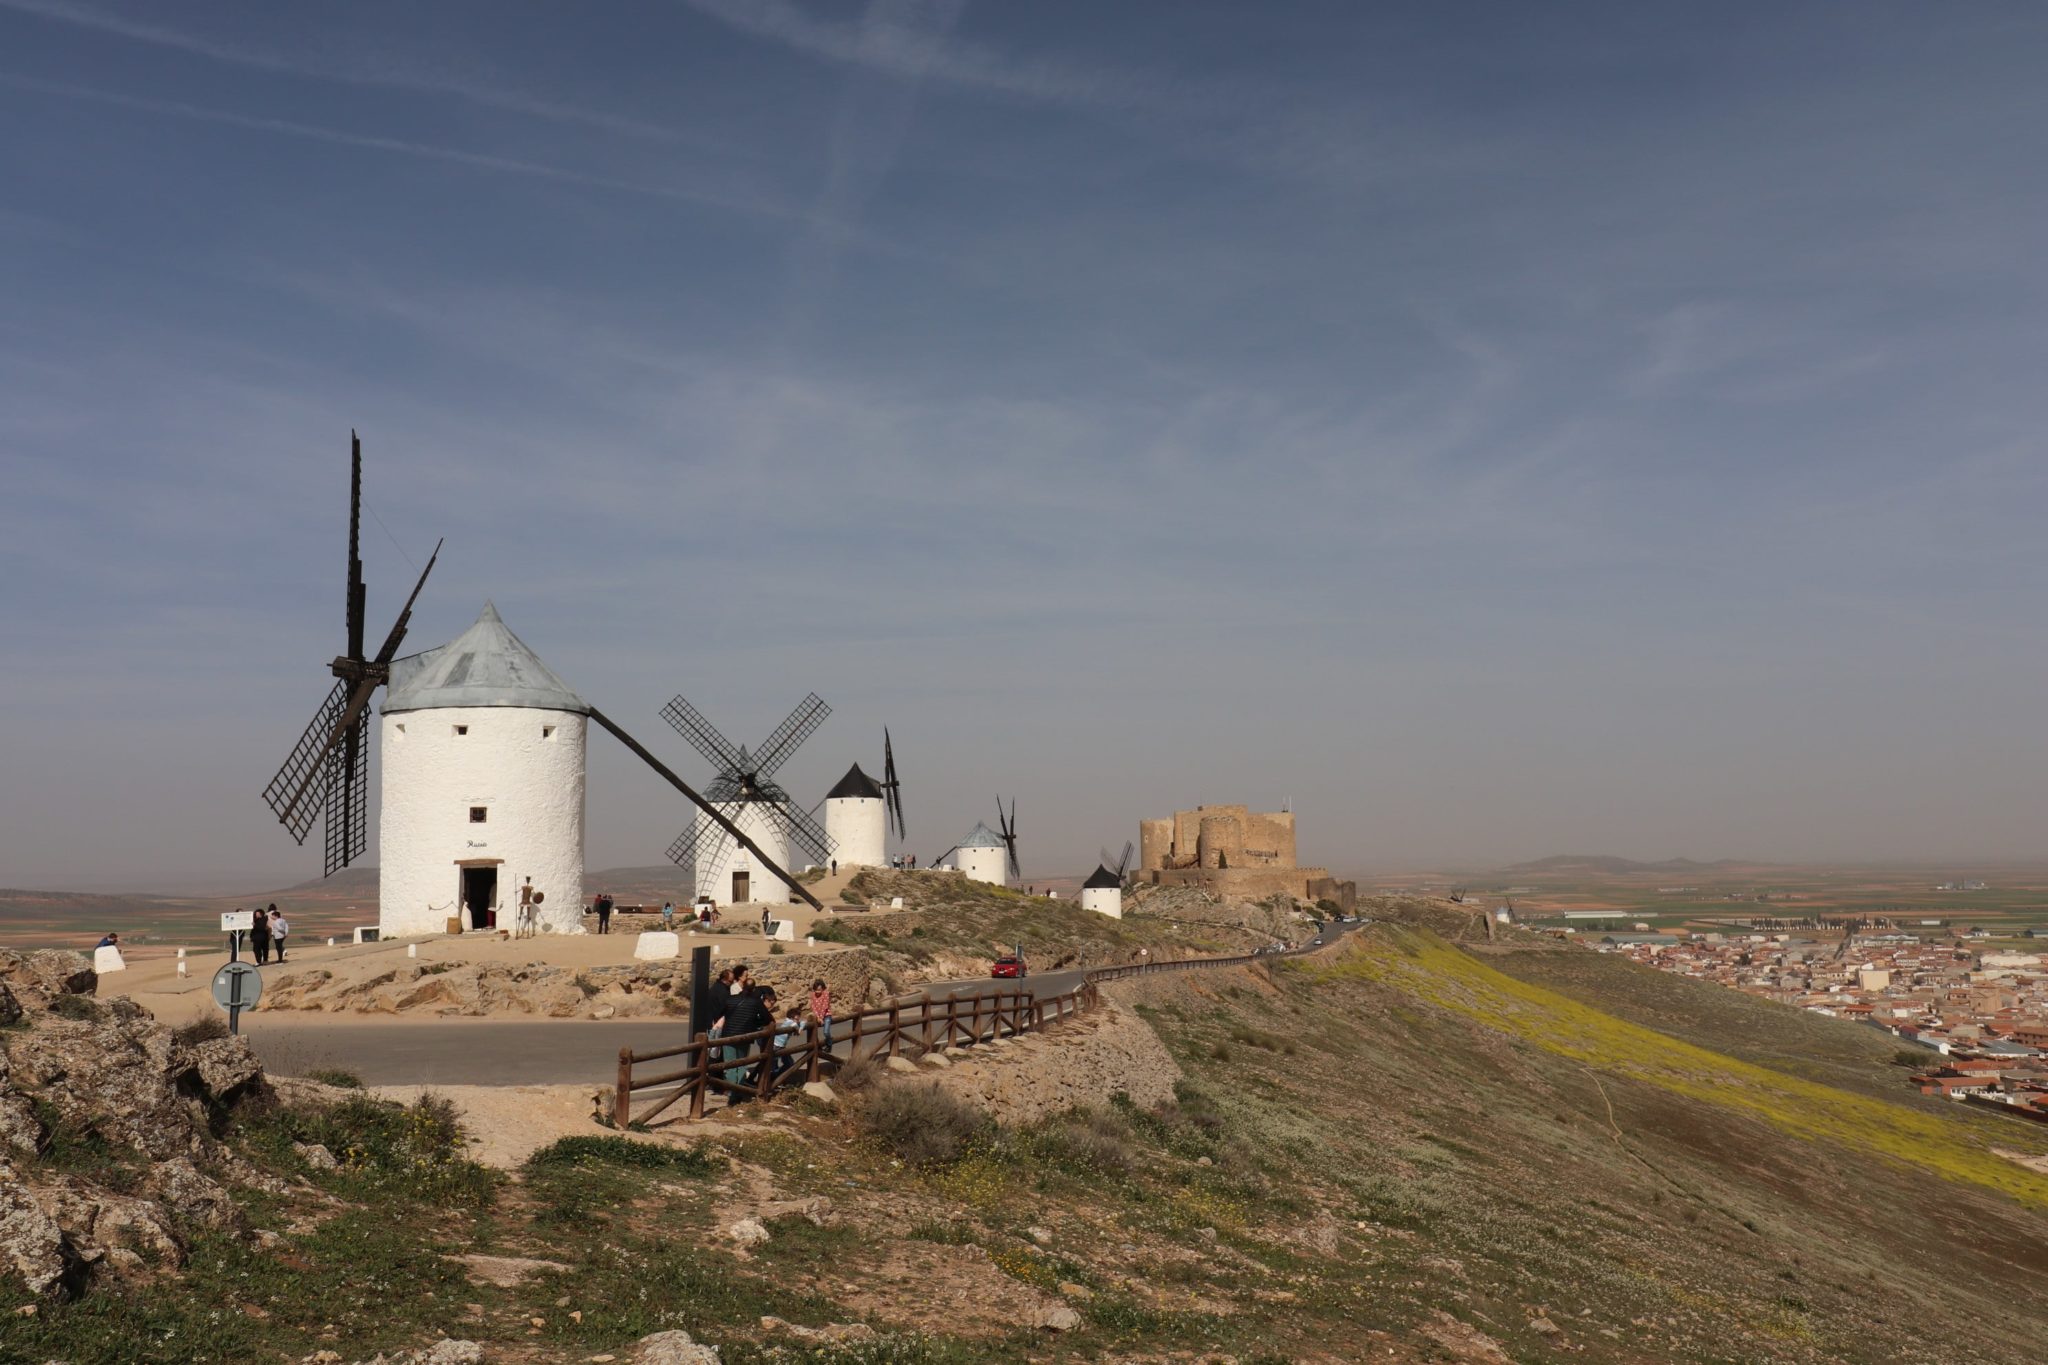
(1500, 430)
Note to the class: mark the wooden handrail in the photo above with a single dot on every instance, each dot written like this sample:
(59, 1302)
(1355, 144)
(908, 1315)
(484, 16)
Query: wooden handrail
(810, 1050)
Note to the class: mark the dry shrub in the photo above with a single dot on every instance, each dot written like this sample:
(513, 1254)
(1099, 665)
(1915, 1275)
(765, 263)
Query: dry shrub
(201, 1030)
(921, 1123)
(857, 1072)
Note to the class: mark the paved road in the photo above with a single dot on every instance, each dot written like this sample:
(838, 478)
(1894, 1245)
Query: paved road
(515, 1051)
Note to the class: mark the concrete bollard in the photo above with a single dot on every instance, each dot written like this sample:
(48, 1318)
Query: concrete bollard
(330, 941)
(810, 941)
(412, 950)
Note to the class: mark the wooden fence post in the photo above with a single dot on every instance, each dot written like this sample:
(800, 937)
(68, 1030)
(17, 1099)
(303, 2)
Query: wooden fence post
(895, 1027)
(700, 1085)
(622, 1103)
(817, 1062)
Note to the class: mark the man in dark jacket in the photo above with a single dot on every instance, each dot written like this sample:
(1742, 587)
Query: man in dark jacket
(748, 1012)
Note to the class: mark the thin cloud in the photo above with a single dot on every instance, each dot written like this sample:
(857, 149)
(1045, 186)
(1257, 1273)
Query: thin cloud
(926, 52)
(399, 146)
(337, 70)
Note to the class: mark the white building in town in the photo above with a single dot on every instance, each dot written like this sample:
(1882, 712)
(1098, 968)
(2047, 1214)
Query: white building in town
(856, 821)
(1103, 893)
(982, 856)
(482, 787)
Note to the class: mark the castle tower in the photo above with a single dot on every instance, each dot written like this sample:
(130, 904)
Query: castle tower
(1103, 893)
(482, 787)
(855, 821)
(982, 856)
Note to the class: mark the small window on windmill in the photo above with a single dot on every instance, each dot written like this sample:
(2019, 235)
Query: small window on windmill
(479, 814)
(547, 732)
(400, 727)
(461, 729)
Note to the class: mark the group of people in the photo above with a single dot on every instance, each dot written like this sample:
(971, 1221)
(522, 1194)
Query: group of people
(268, 930)
(603, 906)
(740, 1006)
(904, 862)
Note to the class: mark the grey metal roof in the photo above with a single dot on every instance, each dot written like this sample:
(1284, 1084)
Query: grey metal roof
(980, 838)
(486, 665)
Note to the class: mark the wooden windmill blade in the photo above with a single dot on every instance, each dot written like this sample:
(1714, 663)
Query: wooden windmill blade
(1009, 834)
(326, 774)
(892, 786)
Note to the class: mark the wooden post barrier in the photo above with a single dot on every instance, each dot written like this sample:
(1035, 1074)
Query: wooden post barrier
(816, 1069)
(895, 1028)
(703, 1078)
(622, 1104)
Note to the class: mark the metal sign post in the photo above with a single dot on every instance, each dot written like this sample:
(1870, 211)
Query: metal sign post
(237, 986)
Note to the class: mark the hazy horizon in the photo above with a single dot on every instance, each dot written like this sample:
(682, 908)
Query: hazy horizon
(1494, 432)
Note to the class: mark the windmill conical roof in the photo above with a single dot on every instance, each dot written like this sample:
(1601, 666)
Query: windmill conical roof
(855, 783)
(486, 665)
(980, 837)
(1101, 877)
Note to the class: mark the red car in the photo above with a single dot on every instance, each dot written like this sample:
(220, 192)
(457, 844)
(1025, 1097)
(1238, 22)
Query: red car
(1009, 964)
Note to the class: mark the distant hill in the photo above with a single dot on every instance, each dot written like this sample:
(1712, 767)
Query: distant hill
(350, 881)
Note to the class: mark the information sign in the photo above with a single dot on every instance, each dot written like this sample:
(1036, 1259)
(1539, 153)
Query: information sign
(231, 920)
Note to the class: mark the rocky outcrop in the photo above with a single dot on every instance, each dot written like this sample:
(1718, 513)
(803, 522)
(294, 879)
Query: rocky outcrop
(1081, 1061)
(47, 972)
(632, 991)
(116, 1078)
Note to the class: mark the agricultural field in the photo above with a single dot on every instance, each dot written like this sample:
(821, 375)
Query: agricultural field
(1702, 896)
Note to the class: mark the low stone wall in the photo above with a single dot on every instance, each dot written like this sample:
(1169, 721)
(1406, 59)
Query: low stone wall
(632, 991)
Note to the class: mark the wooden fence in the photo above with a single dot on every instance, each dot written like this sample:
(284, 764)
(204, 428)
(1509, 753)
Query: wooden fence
(753, 1065)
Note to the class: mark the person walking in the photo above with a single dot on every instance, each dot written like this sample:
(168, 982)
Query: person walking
(604, 912)
(835, 867)
(668, 914)
(766, 923)
(259, 936)
(279, 929)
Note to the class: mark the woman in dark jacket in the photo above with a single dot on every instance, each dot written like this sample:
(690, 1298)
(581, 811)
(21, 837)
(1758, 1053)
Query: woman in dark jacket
(259, 937)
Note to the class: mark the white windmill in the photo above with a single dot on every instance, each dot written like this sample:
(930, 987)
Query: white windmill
(860, 811)
(483, 777)
(743, 794)
(1103, 892)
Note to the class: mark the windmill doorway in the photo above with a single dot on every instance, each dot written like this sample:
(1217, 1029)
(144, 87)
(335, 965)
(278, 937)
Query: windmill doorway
(480, 894)
(742, 887)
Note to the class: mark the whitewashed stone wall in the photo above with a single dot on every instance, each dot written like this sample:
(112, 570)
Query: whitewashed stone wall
(856, 825)
(984, 864)
(525, 767)
(715, 880)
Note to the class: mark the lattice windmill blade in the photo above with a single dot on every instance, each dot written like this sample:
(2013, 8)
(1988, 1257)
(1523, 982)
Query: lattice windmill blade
(348, 798)
(304, 772)
(799, 828)
(700, 846)
(327, 772)
(796, 727)
(703, 736)
(1123, 863)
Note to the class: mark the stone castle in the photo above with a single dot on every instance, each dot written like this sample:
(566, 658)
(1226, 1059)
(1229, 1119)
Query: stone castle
(1235, 853)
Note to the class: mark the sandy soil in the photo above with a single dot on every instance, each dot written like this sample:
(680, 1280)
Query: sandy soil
(506, 1124)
